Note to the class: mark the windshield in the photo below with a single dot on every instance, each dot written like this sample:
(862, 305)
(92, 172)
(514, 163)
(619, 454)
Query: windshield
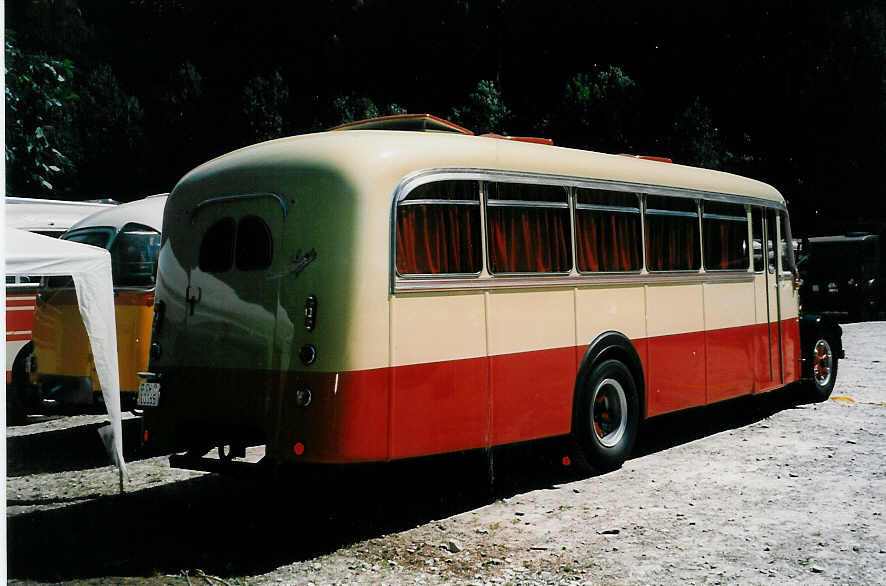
(133, 251)
(134, 257)
(93, 237)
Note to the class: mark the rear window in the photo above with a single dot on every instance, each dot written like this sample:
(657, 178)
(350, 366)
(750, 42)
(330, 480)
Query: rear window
(134, 256)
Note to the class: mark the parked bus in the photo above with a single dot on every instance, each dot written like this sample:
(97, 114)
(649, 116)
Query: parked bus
(65, 370)
(51, 218)
(371, 295)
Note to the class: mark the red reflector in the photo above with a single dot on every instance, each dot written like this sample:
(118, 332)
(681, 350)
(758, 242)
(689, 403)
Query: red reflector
(298, 448)
(146, 435)
(149, 300)
(567, 461)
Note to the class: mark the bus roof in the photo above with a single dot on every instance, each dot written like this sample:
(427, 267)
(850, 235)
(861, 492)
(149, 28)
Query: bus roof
(147, 211)
(373, 155)
(47, 215)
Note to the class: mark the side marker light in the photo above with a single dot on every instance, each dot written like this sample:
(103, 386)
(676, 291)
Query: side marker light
(567, 461)
(298, 448)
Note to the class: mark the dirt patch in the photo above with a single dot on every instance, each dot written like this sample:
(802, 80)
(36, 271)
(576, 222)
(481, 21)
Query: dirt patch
(764, 489)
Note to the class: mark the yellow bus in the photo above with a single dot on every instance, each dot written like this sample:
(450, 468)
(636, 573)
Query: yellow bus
(368, 294)
(64, 367)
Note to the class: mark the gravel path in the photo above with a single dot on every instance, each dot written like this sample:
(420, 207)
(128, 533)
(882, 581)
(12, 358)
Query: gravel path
(762, 490)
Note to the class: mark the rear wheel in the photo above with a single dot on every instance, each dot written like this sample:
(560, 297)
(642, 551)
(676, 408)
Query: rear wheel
(824, 370)
(606, 417)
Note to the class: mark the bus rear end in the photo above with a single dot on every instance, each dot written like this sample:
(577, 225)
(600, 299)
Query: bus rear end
(254, 293)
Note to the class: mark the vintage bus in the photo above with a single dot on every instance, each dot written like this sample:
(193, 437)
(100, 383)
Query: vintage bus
(64, 367)
(371, 295)
(51, 218)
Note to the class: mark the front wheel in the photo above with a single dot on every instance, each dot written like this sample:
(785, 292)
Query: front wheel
(606, 416)
(824, 370)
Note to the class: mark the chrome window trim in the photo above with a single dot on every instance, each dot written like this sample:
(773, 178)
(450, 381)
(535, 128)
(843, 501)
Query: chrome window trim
(723, 218)
(515, 203)
(400, 283)
(570, 281)
(459, 202)
(673, 213)
(600, 208)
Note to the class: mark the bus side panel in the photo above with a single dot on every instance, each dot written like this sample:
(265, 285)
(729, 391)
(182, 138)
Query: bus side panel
(133, 312)
(60, 341)
(532, 363)
(440, 375)
(347, 420)
(675, 321)
(729, 339)
(440, 407)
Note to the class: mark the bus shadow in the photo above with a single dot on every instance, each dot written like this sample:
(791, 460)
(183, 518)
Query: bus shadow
(232, 526)
(69, 449)
(667, 431)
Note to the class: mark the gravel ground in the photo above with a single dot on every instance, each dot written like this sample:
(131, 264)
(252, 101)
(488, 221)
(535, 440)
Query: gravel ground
(760, 490)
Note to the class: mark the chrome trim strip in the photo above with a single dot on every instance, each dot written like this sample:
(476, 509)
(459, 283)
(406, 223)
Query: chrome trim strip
(543, 282)
(513, 203)
(244, 196)
(481, 174)
(601, 208)
(655, 212)
(410, 202)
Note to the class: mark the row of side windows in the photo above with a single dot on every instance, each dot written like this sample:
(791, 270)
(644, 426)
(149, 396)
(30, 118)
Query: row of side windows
(529, 230)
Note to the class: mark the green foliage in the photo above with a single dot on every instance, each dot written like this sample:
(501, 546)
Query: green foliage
(356, 107)
(40, 104)
(484, 111)
(594, 110)
(699, 142)
(264, 102)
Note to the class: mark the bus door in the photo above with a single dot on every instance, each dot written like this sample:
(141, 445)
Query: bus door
(788, 301)
(231, 302)
(773, 298)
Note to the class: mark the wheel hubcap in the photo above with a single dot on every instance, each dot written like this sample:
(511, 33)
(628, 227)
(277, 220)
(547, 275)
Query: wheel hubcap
(821, 363)
(609, 412)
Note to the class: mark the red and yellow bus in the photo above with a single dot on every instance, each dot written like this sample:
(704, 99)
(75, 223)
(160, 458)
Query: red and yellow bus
(65, 370)
(371, 295)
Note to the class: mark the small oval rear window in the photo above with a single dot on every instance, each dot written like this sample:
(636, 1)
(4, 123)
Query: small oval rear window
(255, 248)
(217, 247)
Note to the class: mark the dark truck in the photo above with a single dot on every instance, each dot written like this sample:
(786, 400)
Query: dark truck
(843, 274)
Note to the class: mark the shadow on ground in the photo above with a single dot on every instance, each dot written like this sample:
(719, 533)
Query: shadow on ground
(234, 526)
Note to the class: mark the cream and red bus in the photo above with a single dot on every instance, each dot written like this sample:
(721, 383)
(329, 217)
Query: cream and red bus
(64, 369)
(371, 295)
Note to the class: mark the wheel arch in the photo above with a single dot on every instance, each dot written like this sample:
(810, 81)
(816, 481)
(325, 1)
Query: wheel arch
(613, 345)
(813, 326)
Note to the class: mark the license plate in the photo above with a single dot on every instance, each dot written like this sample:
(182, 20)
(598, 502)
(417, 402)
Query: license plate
(148, 394)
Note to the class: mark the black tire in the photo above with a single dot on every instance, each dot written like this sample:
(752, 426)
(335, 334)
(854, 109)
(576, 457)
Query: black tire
(605, 417)
(823, 376)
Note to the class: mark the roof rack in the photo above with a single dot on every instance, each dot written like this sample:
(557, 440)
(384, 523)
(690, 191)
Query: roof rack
(647, 157)
(532, 139)
(414, 122)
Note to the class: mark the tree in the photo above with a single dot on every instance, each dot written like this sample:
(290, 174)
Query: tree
(264, 101)
(40, 106)
(485, 110)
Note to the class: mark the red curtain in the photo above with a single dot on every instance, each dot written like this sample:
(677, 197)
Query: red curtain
(608, 241)
(438, 239)
(725, 245)
(672, 243)
(529, 240)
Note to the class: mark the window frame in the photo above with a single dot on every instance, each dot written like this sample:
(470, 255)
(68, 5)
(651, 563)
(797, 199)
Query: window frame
(725, 218)
(613, 209)
(485, 281)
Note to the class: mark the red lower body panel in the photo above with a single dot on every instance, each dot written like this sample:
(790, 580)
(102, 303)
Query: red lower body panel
(424, 409)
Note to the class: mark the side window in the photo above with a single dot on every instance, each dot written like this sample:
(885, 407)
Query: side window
(217, 247)
(255, 248)
(672, 239)
(757, 228)
(529, 228)
(786, 244)
(771, 239)
(725, 236)
(134, 256)
(607, 231)
(438, 229)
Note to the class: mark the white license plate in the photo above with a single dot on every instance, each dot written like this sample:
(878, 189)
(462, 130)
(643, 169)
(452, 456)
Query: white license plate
(148, 394)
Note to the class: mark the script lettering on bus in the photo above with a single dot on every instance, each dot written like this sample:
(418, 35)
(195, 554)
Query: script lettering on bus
(300, 261)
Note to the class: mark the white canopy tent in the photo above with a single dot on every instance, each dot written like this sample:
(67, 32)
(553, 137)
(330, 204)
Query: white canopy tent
(90, 267)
